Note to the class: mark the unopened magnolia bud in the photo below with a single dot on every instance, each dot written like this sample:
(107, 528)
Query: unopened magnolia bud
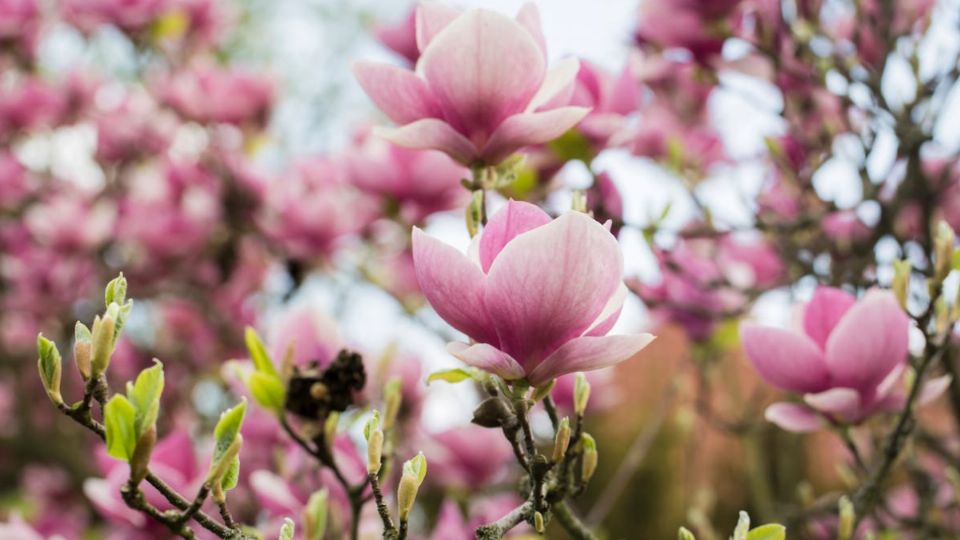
(492, 412)
(140, 461)
(943, 251)
(743, 527)
(49, 365)
(562, 439)
(102, 345)
(543, 390)
(315, 516)
(220, 468)
(392, 398)
(590, 457)
(414, 471)
(82, 349)
(901, 281)
(848, 519)
(538, 522)
(374, 451)
(685, 534)
(581, 393)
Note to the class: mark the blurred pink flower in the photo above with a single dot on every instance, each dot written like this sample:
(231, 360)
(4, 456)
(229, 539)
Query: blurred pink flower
(308, 332)
(313, 210)
(481, 90)
(20, 25)
(71, 220)
(847, 363)
(18, 529)
(127, 15)
(603, 393)
(209, 94)
(538, 296)
(610, 100)
(16, 184)
(30, 104)
(453, 525)
(401, 37)
(696, 25)
(605, 201)
(419, 182)
(844, 226)
(466, 458)
(132, 129)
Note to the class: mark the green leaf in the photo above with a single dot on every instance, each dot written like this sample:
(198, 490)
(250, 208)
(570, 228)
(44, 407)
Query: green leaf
(286, 532)
(416, 467)
(81, 333)
(232, 475)
(770, 531)
(258, 353)
(453, 375)
(227, 429)
(144, 394)
(685, 534)
(372, 425)
(267, 390)
(119, 418)
(49, 365)
(116, 291)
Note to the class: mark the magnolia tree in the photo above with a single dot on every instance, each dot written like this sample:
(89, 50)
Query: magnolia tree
(271, 424)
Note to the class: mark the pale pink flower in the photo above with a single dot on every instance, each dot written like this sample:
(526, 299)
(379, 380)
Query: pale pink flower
(848, 363)
(313, 211)
(466, 458)
(603, 394)
(308, 332)
(18, 529)
(209, 94)
(695, 25)
(30, 104)
(536, 295)
(610, 99)
(20, 25)
(70, 220)
(418, 182)
(16, 184)
(132, 129)
(481, 89)
(401, 37)
(127, 15)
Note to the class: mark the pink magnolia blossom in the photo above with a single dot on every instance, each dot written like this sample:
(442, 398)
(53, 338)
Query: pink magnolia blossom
(16, 184)
(133, 128)
(481, 89)
(55, 221)
(536, 295)
(605, 201)
(401, 37)
(453, 525)
(309, 333)
(18, 529)
(128, 15)
(30, 104)
(314, 210)
(695, 25)
(610, 100)
(603, 393)
(466, 458)
(848, 362)
(208, 94)
(20, 25)
(419, 182)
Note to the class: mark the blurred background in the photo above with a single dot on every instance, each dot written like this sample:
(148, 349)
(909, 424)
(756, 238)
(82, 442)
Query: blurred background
(207, 150)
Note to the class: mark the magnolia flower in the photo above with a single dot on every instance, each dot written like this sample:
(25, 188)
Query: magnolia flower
(208, 94)
(401, 37)
(536, 295)
(128, 15)
(848, 363)
(308, 333)
(467, 457)
(481, 89)
(610, 98)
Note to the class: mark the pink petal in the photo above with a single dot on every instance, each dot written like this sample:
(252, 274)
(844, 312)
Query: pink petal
(557, 87)
(398, 92)
(274, 494)
(793, 417)
(529, 18)
(933, 389)
(824, 311)
(550, 284)
(611, 312)
(588, 353)
(487, 358)
(482, 68)
(432, 17)
(869, 342)
(785, 359)
(511, 220)
(842, 403)
(431, 134)
(176, 451)
(530, 128)
(453, 285)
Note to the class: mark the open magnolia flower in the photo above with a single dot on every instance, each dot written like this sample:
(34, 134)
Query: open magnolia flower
(537, 295)
(481, 89)
(848, 363)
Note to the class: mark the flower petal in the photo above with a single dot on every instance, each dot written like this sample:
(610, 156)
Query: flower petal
(514, 218)
(557, 87)
(432, 17)
(842, 403)
(431, 134)
(793, 417)
(824, 311)
(482, 68)
(550, 284)
(530, 128)
(529, 18)
(611, 312)
(487, 358)
(453, 285)
(398, 92)
(785, 359)
(933, 388)
(869, 342)
(588, 353)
